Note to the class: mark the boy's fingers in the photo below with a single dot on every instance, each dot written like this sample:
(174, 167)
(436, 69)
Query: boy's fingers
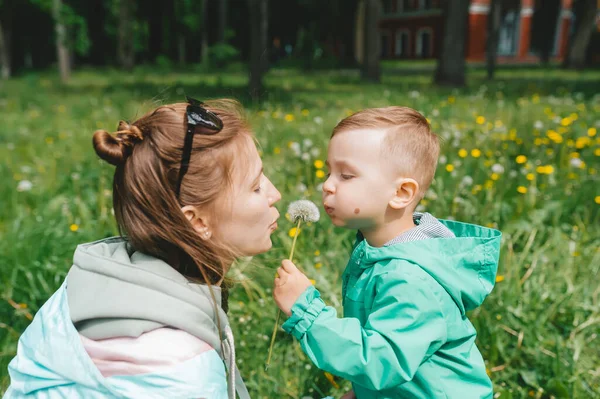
(288, 266)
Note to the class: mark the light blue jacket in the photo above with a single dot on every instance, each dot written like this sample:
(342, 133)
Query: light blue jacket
(113, 291)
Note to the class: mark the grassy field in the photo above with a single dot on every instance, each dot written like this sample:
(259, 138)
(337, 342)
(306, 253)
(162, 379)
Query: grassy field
(521, 154)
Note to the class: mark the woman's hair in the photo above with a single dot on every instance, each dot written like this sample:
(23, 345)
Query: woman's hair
(147, 154)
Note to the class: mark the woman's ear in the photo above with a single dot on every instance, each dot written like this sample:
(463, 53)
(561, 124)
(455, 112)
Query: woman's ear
(199, 221)
(406, 192)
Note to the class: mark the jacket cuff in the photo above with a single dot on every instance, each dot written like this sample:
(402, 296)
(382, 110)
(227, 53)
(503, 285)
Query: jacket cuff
(304, 312)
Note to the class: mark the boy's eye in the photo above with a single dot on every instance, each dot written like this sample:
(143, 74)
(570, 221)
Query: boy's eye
(346, 177)
(257, 190)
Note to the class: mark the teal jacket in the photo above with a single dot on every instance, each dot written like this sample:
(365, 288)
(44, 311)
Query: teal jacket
(405, 332)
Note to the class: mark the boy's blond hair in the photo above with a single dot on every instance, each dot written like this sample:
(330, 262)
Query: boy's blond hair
(409, 141)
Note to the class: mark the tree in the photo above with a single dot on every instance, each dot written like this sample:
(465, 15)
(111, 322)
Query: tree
(585, 18)
(372, 50)
(125, 49)
(222, 26)
(258, 44)
(5, 38)
(62, 51)
(450, 69)
(494, 19)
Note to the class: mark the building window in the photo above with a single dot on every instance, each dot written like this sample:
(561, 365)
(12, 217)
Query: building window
(387, 6)
(424, 45)
(401, 44)
(509, 34)
(424, 4)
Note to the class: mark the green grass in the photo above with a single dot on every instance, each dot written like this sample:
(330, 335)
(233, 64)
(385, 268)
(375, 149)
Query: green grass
(539, 329)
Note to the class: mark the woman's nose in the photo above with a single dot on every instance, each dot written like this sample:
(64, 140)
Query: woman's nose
(274, 194)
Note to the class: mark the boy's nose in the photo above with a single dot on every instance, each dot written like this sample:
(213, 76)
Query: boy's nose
(328, 187)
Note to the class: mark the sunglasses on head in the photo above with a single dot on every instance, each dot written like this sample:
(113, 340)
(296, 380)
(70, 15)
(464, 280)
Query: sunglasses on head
(199, 121)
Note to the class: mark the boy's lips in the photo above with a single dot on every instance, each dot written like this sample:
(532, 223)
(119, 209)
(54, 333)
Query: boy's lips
(329, 209)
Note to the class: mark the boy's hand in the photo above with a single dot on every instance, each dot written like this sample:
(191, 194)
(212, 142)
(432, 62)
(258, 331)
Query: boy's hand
(349, 395)
(289, 285)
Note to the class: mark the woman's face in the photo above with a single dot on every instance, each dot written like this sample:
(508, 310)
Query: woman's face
(246, 221)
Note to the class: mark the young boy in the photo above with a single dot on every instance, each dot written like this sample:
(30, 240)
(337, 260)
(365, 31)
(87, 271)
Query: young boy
(411, 278)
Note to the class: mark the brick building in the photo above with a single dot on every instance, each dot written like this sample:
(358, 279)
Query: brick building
(413, 29)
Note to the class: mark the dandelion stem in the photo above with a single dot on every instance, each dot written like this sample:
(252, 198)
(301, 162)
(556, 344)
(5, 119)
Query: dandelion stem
(291, 257)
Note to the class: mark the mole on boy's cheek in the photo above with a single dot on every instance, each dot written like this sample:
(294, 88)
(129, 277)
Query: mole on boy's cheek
(356, 211)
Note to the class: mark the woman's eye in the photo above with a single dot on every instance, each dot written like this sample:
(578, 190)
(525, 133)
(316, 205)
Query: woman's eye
(346, 177)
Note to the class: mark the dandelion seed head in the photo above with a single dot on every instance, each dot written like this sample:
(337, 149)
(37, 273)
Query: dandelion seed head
(304, 210)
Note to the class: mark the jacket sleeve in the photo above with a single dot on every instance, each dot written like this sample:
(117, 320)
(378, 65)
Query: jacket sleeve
(404, 328)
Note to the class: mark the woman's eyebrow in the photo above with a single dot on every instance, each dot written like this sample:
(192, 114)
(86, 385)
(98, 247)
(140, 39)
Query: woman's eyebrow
(257, 178)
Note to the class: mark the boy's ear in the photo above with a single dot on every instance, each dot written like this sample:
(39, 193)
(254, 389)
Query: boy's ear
(406, 192)
(200, 221)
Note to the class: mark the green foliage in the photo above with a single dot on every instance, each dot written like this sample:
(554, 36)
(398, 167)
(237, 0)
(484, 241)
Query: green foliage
(539, 329)
(221, 54)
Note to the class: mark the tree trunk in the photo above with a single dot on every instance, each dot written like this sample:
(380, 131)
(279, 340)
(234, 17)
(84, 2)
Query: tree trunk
(204, 33)
(450, 69)
(494, 20)
(576, 58)
(125, 52)
(62, 52)
(222, 21)
(4, 51)
(371, 71)
(258, 44)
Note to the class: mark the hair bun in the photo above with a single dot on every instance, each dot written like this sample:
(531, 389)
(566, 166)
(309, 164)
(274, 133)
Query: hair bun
(115, 149)
(110, 148)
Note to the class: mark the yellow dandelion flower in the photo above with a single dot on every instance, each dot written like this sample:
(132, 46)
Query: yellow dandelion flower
(530, 176)
(313, 282)
(475, 153)
(318, 265)
(74, 227)
(522, 189)
(319, 164)
(498, 317)
(495, 176)
(572, 176)
(305, 112)
(317, 252)
(462, 153)
(581, 142)
(597, 152)
(521, 159)
(451, 100)
(591, 131)
(449, 167)
(320, 174)
(488, 184)
(49, 140)
(498, 123)
(480, 120)
(276, 150)
(499, 278)
(292, 232)
(597, 199)
(566, 121)
(549, 151)
(289, 118)
(574, 155)
(592, 171)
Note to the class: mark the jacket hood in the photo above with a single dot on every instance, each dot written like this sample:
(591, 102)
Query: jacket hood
(464, 265)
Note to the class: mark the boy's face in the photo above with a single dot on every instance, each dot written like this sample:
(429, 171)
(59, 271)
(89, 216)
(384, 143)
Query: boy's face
(361, 181)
